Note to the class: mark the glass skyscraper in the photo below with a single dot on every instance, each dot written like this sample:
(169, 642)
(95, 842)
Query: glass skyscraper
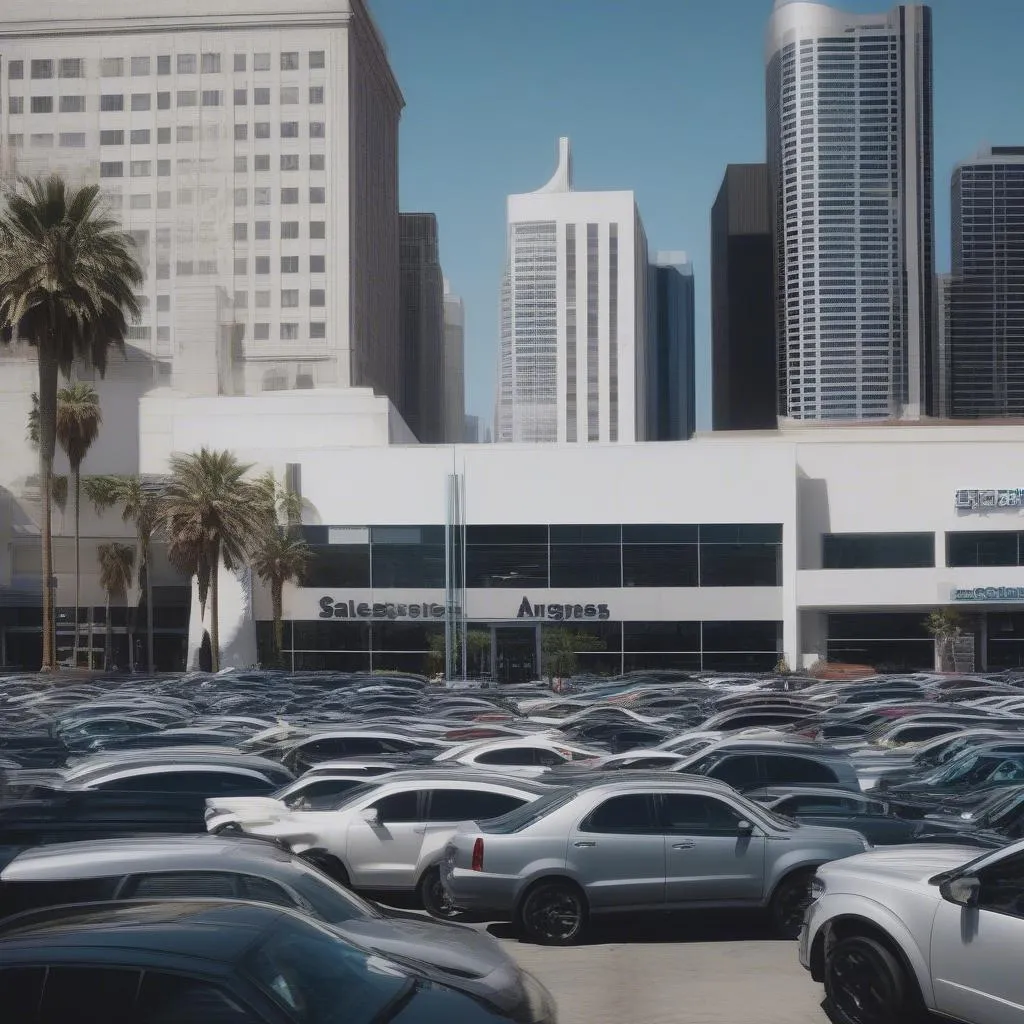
(849, 104)
(983, 314)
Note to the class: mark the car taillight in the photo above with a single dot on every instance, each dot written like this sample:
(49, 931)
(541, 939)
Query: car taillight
(478, 856)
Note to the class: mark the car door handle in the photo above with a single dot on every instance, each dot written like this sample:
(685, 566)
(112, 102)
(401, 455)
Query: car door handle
(584, 842)
(687, 845)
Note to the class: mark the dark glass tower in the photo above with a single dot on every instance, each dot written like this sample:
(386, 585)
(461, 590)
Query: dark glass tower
(984, 296)
(671, 406)
(743, 357)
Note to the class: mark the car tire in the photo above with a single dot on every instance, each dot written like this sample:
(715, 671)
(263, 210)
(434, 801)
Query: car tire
(436, 901)
(553, 913)
(866, 984)
(329, 865)
(788, 903)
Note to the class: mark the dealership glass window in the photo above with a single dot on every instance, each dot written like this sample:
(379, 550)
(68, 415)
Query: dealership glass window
(335, 661)
(673, 661)
(414, 636)
(661, 636)
(408, 556)
(895, 642)
(330, 635)
(878, 551)
(585, 556)
(741, 636)
(992, 548)
(740, 565)
(338, 565)
(659, 565)
(506, 556)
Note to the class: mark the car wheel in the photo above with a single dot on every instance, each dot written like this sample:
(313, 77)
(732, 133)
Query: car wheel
(866, 984)
(434, 897)
(330, 866)
(789, 901)
(553, 914)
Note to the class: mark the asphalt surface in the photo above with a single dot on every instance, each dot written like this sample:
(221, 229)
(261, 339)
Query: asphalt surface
(690, 969)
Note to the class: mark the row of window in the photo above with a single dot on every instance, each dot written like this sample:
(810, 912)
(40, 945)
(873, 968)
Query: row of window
(289, 265)
(263, 196)
(582, 556)
(917, 550)
(183, 64)
(289, 298)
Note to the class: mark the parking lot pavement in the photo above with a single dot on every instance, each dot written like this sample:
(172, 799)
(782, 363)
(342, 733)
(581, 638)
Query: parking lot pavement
(679, 972)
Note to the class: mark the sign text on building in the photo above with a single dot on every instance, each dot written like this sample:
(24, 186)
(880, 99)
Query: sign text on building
(561, 612)
(331, 609)
(988, 594)
(983, 500)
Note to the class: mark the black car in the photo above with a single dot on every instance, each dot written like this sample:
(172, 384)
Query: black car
(970, 775)
(207, 962)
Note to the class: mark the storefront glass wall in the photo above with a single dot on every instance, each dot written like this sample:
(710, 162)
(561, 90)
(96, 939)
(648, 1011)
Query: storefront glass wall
(889, 641)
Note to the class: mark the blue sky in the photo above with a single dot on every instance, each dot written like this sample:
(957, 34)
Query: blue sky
(656, 95)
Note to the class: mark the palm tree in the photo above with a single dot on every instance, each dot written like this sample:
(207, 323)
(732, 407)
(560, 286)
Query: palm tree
(78, 424)
(68, 276)
(117, 562)
(139, 505)
(211, 515)
(281, 557)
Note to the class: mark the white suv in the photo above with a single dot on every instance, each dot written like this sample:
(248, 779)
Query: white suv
(901, 931)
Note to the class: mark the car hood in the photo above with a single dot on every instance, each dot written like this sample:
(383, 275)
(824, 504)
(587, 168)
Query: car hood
(461, 958)
(916, 863)
(245, 809)
(835, 837)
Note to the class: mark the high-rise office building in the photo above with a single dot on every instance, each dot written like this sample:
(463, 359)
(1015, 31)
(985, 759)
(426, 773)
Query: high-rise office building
(422, 328)
(983, 311)
(251, 149)
(454, 367)
(849, 104)
(671, 396)
(572, 363)
(744, 367)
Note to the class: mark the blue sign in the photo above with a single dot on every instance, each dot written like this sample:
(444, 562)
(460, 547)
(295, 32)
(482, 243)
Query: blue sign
(988, 594)
(989, 500)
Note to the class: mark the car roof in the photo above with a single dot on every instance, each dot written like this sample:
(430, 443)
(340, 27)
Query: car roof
(102, 858)
(416, 776)
(622, 782)
(785, 791)
(797, 748)
(213, 930)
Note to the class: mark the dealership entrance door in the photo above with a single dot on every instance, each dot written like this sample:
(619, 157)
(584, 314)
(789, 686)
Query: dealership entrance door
(515, 653)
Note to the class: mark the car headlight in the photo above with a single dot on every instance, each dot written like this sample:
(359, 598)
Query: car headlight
(868, 845)
(816, 888)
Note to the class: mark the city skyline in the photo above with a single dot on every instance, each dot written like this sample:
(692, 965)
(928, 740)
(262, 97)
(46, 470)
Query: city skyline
(457, 161)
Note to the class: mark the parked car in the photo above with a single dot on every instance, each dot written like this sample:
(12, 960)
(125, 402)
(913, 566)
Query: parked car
(969, 776)
(893, 933)
(210, 960)
(388, 835)
(325, 745)
(639, 844)
(528, 756)
(187, 867)
(881, 822)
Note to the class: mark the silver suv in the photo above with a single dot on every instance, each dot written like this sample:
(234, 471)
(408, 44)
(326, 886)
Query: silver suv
(899, 931)
(647, 843)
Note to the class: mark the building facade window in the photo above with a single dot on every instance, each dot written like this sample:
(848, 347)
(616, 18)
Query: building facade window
(996, 548)
(878, 551)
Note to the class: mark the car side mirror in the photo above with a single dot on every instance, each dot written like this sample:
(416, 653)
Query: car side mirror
(371, 815)
(744, 827)
(964, 892)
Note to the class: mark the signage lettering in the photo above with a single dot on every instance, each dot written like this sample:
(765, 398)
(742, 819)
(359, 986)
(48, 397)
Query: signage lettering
(988, 594)
(561, 612)
(987, 500)
(331, 609)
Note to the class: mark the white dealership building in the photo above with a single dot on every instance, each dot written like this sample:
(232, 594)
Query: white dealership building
(728, 552)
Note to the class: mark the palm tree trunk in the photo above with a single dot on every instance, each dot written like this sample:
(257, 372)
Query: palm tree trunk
(47, 443)
(151, 665)
(78, 562)
(215, 609)
(108, 645)
(276, 588)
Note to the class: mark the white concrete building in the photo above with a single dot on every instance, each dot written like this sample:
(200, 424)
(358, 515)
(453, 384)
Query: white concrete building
(573, 316)
(250, 147)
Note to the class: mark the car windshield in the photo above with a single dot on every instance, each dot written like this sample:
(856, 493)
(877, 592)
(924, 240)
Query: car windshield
(331, 902)
(972, 768)
(1001, 813)
(942, 753)
(320, 979)
(523, 817)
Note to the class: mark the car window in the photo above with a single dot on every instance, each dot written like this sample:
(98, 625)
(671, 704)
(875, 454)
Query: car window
(632, 813)
(1002, 886)
(783, 769)
(172, 999)
(199, 783)
(739, 771)
(547, 758)
(16, 897)
(399, 807)
(640, 763)
(508, 755)
(73, 994)
(177, 884)
(21, 989)
(819, 805)
(694, 814)
(321, 794)
(1008, 771)
(263, 890)
(468, 805)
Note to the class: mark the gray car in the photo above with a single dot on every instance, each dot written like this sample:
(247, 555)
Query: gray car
(641, 844)
(183, 867)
